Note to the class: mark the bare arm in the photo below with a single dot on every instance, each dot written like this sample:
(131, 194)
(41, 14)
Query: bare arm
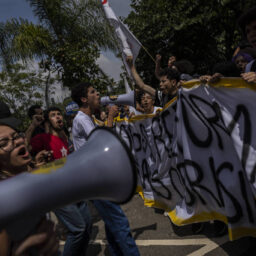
(112, 113)
(36, 121)
(138, 80)
(45, 240)
(158, 66)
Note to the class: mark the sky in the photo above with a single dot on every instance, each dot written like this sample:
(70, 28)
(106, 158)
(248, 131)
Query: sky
(107, 61)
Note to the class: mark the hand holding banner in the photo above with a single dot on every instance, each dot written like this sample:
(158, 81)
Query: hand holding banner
(197, 159)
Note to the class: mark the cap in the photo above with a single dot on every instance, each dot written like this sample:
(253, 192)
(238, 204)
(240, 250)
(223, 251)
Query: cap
(71, 108)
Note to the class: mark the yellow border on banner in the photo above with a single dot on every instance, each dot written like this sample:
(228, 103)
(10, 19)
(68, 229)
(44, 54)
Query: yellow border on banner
(204, 216)
(150, 202)
(168, 104)
(145, 116)
(237, 233)
(231, 82)
(138, 118)
(234, 233)
(53, 166)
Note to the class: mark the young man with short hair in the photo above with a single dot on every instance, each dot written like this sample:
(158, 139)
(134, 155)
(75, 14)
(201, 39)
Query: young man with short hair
(56, 139)
(75, 217)
(147, 102)
(116, 224)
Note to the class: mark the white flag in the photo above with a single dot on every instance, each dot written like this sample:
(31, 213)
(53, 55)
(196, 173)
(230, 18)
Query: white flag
(127, 86)
(129, 43)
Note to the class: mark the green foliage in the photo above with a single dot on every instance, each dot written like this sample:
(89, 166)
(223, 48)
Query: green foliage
(204, 32)
(77, 33)
(67, 40)
(31, 41)
(20, 88)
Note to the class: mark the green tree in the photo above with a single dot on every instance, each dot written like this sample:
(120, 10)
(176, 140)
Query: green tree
(67, 39)
(20, 88)
(77, 33)
(204, 32)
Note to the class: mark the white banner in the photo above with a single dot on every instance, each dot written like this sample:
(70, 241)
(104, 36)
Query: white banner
(130, 45)
(197, 159)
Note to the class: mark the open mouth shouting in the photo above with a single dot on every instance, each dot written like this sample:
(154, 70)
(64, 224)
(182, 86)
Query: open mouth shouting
(145, 105)
(23, 152)
(60, 123)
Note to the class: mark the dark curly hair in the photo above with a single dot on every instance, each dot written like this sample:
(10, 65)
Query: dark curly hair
(31, 110)
(80, 90)
(170, 74)
(247, 18)
(184, 66)
(47, 112)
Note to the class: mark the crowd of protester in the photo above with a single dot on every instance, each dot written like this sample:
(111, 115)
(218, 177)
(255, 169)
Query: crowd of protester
(52, 134)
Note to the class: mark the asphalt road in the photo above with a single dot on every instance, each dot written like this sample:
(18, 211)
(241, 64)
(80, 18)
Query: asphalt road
(156, 236)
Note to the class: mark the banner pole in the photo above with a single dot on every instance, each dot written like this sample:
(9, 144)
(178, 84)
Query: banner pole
(148, 53)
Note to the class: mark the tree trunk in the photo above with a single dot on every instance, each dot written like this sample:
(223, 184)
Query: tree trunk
(46, 92)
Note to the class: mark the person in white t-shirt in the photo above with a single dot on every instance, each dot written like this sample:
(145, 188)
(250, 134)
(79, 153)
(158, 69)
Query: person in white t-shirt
(117, 227)
(147, 103)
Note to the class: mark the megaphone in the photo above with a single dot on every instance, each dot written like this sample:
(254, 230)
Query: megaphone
(102, 169)
(123, 99)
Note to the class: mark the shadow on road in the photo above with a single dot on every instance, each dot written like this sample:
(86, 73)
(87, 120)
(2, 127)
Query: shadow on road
(245, 246)
(139, 231)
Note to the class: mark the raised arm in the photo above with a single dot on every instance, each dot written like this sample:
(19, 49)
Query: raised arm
(137, 78)
(158, 66)
(36, 121)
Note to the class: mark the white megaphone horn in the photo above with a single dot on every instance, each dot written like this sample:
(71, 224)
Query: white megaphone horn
(123, 99)
(102, 169)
